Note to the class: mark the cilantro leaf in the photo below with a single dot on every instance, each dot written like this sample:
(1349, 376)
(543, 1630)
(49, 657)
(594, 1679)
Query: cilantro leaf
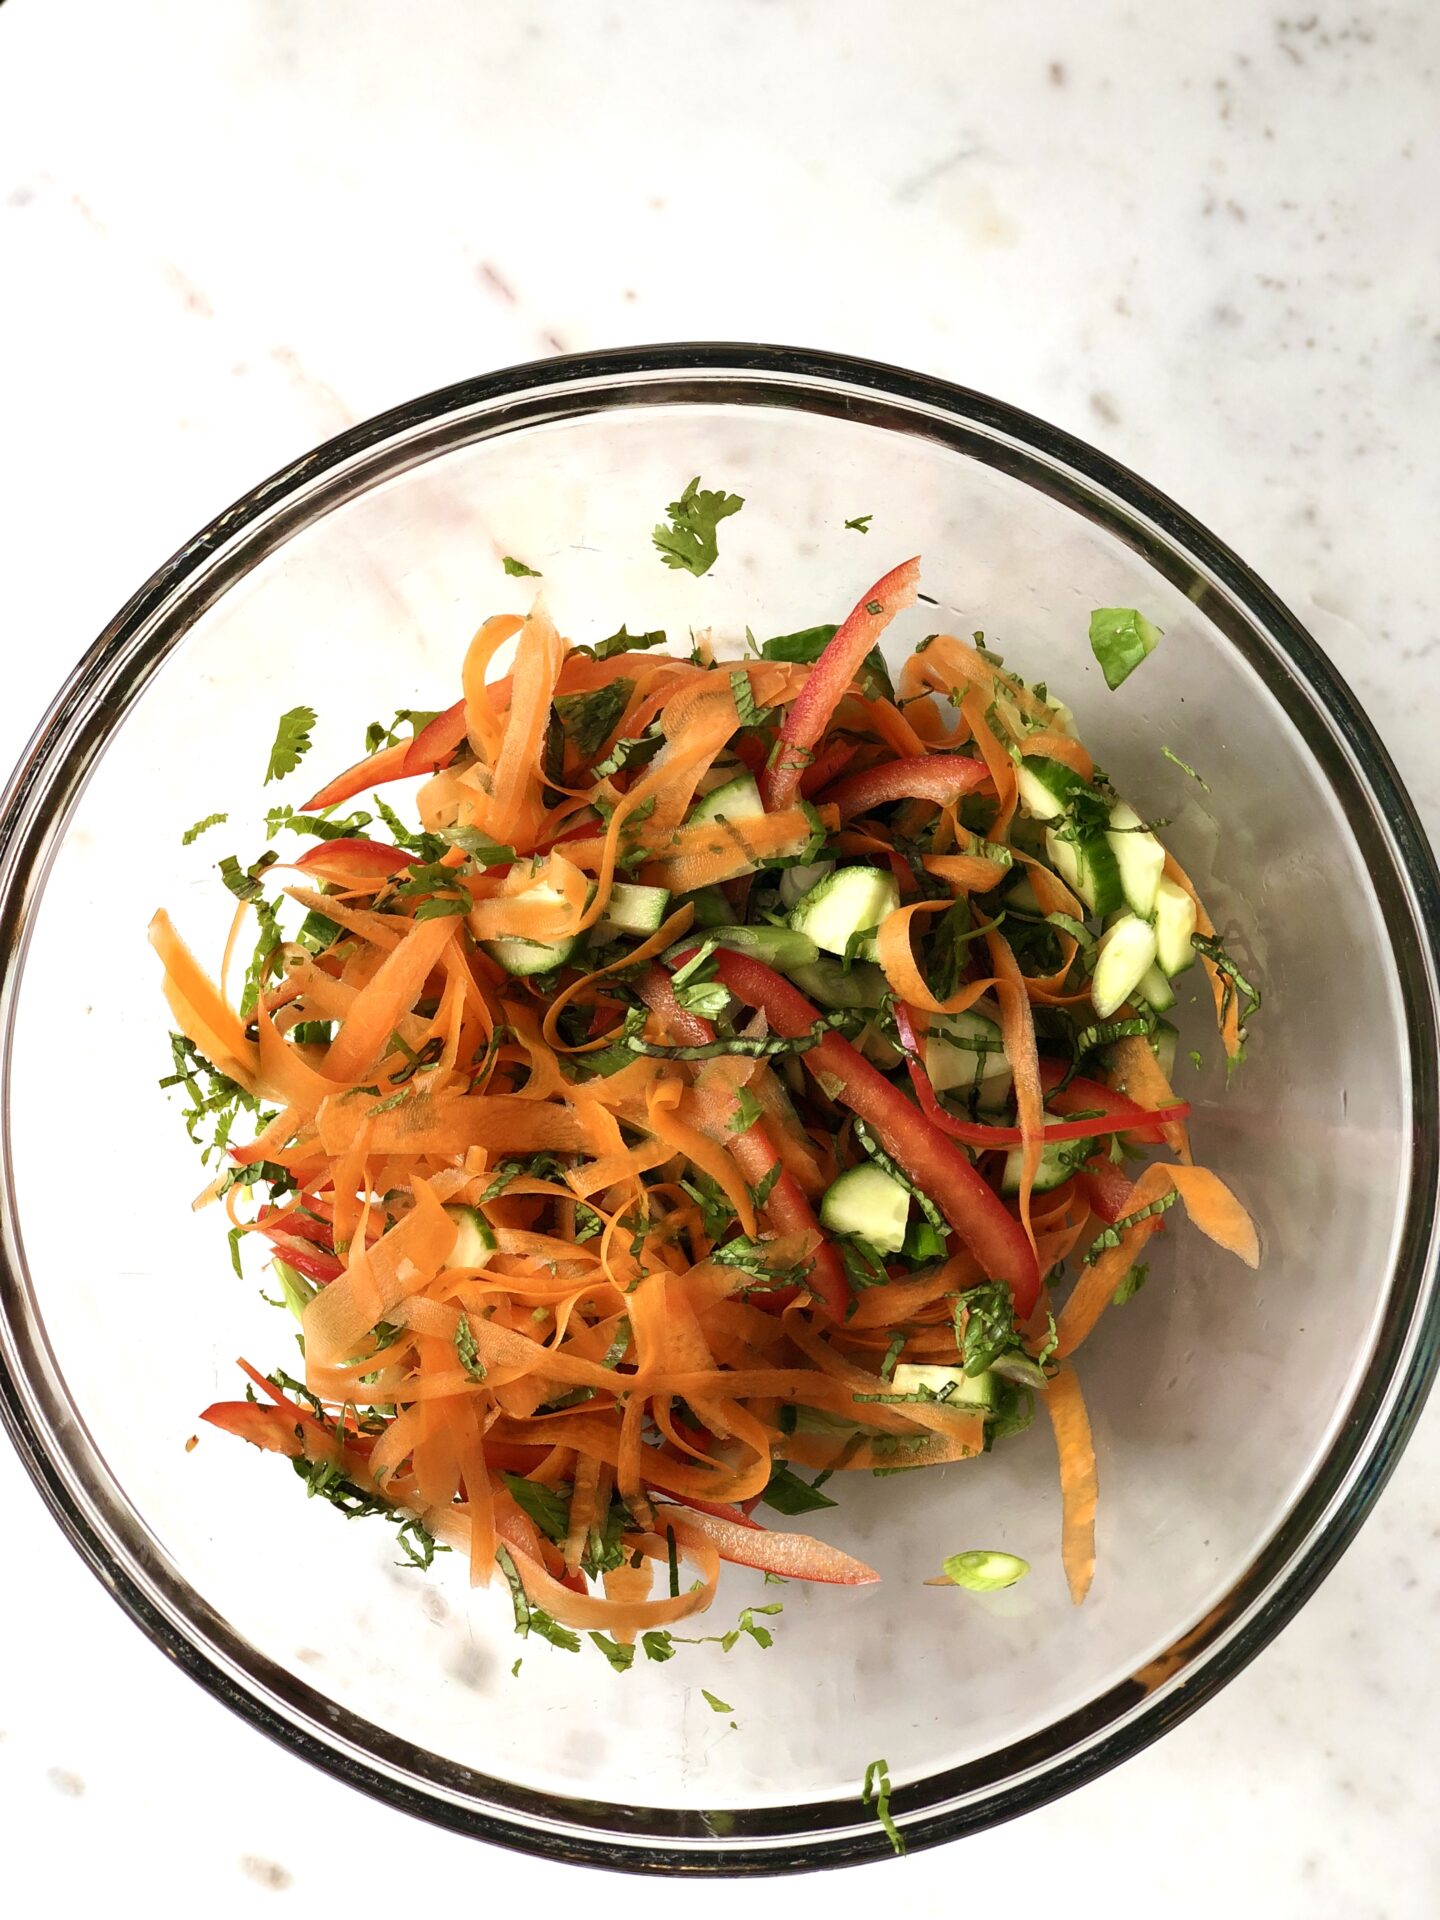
(622, 1658)
(590, 718)
(292, 743)
(1120, 638)
(202, 826)
(518, 570)
(690, 539)
(658, 1644)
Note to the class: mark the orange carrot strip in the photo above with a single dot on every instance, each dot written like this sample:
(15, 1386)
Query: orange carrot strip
(393, 991)
(1079, 1482)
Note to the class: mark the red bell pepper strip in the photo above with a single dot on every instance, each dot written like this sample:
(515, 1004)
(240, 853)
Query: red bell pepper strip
(1116, 1113)
(829, 680)
(794, 1556)
(712, 1507)
(829, 763)
(786, 1207)
(1108, 1189)
(934, 1163)
(375, 771)
(939, 777)
(436, 744)
(311, 1261)
(357, 861)
(275, 1221)
(268, 1427)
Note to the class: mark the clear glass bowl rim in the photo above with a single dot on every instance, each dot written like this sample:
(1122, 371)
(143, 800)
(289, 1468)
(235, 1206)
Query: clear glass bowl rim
(51, 773)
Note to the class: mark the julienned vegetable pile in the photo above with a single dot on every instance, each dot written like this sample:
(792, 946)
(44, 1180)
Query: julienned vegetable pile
(746, 1075)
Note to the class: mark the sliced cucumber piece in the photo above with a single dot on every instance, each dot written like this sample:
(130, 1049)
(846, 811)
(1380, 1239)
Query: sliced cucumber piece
(1123, 958)
(951, 1384)
(1022, 895)
(964, 1053)
(796, 882)
(738, 799)
(868, 1203)
(532, 956)
(1156, 991)
(1139, 857)
(854, 900)
(1053, 1171)
(632, 909)
(474, 1238)
(1045, 786)
(1174, 924)
(779, 947)
(833, 985)
(1163, 1043)
(1088, 867)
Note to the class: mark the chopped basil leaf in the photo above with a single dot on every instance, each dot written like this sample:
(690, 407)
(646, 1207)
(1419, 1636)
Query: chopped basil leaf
(1130, 1283)
(548, 1507)
(861, 523)
(786, 1492)
(466, 1350)
(192, 834)
(623, 642)
(1120, 639)
(518, 570)
(715, 1704)
(876, 1791)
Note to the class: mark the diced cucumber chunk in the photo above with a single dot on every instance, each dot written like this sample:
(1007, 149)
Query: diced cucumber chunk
(797, 882)
(474, 1238)
(853, 901)
(632, 909)
(1045, 786)
(1156, 991)
(1053, 1171)
(1174, 924)
(738, 799)
(834, 985)
(1021, 895)
(951, 1384)
(965, 1053)
(1088, 867)
(868, 1203)
(1123, 958)
(1163, 1043)
(532, 956)
(1139, 858)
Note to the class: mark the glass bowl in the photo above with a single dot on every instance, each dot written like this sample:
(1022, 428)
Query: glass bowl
(1244, 1422)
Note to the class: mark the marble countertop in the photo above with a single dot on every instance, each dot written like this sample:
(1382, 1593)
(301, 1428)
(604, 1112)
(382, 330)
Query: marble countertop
(1201, 238)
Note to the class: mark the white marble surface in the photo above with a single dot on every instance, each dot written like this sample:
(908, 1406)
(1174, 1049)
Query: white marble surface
(1206, 243)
